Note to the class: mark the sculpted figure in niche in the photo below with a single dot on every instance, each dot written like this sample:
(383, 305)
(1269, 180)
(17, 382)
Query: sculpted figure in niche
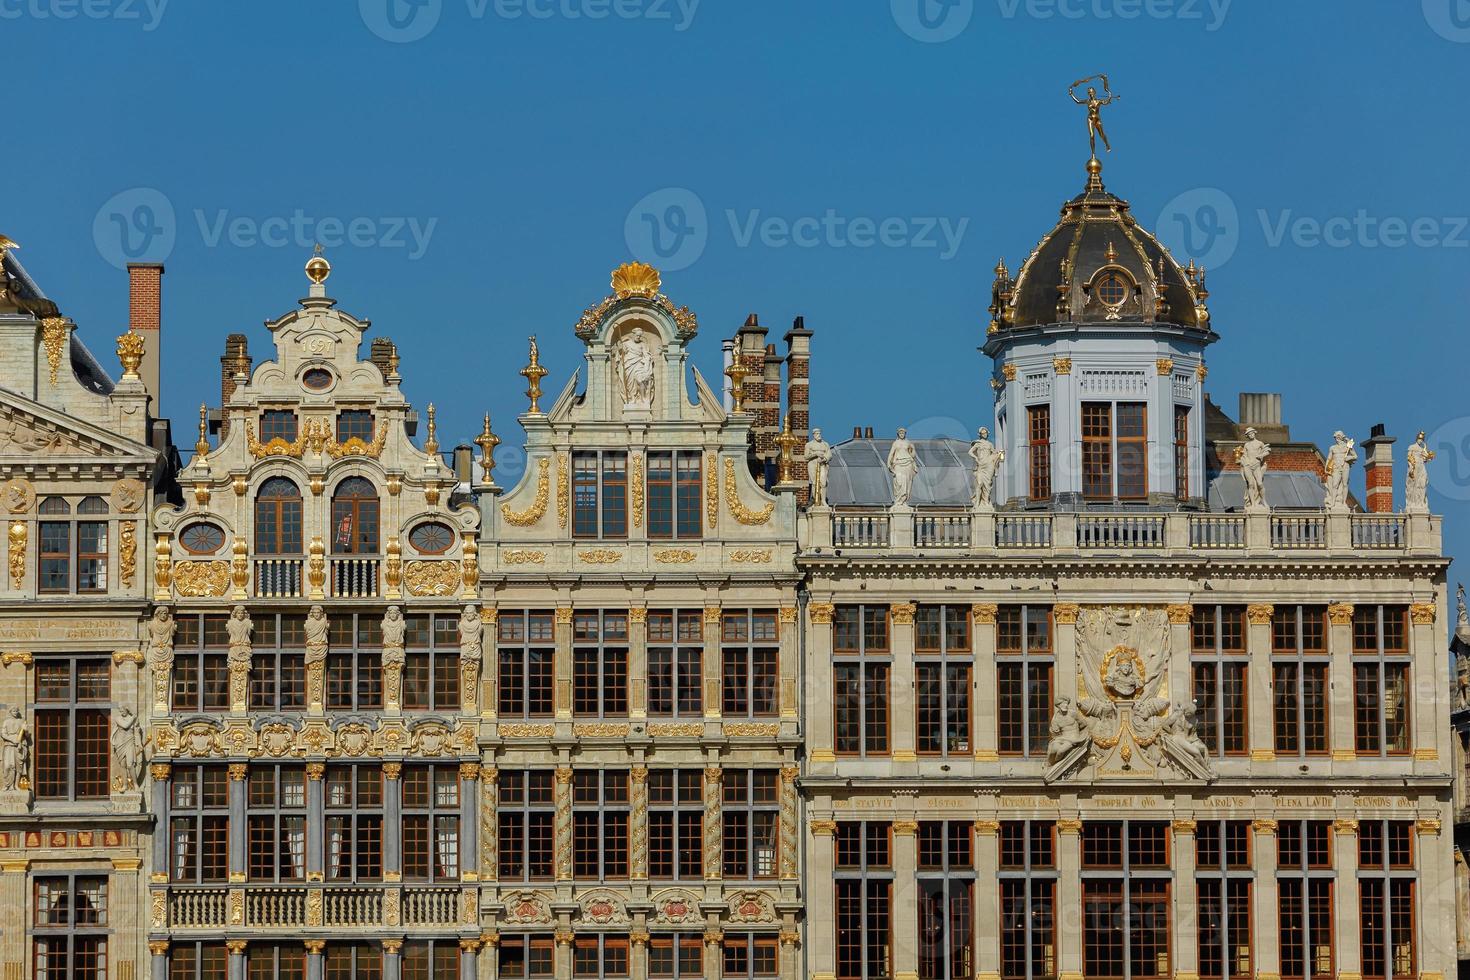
(903, 464)
(1416, 485)
(15, 751)
(987, 461)
(127, 747)
(316, 628)
(395, 628)
(1251, 457)
(469, 633)
(161, 630)
(635, 366)
(239, 627)
(1340, 459)
(818, 456)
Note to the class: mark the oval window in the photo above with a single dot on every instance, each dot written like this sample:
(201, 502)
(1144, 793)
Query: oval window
(202, 539)
(1112, 290)
(317, 379)
(432, 538)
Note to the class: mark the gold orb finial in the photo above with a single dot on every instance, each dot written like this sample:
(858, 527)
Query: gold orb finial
(635, 279)
(317, 267)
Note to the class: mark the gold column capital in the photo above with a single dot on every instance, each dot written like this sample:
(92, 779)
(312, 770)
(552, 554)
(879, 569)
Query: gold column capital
(821, 613)
(1066, 613)
(903, 613)
(1260, 613)
(984, 613)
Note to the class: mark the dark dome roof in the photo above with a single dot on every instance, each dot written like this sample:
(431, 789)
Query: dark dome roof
(1098, 265)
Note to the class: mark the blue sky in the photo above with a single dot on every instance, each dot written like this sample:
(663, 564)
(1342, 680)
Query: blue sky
(494, 159)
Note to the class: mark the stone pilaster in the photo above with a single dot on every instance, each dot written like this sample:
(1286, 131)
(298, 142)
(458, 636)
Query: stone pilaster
(315, 824)
(1437, 899)
(821, 924)
(158, 959)
(1347, 935)
(469, 812)
(713, 842)
(239, 771)
(790, 825)
(1265, 922)
(1186, 899)
(905, 898)
(1340, 646)
(469, 956)
(392, 959)
(638, 824)
(1069, 895)
(14, 895)
(818, 693)
(564, 662)
(789, 653)
(160, 772)
(987, 897)
(901, 682)
(489, 829)
(712, 661)
(1429, 716)
(638, 663)
(985, 718)
(563, 825)
(1258, 644)
(314, 964)
(392, 821)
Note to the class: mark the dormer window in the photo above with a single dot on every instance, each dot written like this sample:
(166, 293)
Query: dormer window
(278, 423)
(355, 423)
(1111, 290)
(1114, 450)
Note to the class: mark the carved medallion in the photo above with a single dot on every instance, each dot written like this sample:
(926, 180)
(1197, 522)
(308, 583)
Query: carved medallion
(431, 577)
(19, 496)
(128, 496)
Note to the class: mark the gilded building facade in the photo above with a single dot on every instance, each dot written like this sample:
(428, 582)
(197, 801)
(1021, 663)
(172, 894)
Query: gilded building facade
(79, 474)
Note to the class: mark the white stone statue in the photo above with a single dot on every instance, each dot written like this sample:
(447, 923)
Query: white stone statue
(395, 629)
(1069, 729)
(239, 626)
(1340, 459)
(15, 751)
(1183, 725)
(903, 464)
(317, 628)
(1462, 619)
(127, 747)
(818, 456)
(470, 627)
(1251, 458)
(1416, 484)
(161, 630)
(635, 366)
(987, 461)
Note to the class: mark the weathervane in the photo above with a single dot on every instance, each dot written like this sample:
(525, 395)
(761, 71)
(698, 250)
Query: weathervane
(1094, 109)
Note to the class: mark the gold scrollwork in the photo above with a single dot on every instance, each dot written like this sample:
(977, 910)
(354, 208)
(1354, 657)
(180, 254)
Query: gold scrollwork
(277, 446)
(601, 556)
(563, 490)
(127, 551)
(674, 556)
(533, 514)
(751, 556)
(17, 557)
(203, 579)
(522, 556)
(743, 514)
(432, 577)
(711, 493)
(356, 447)
(53, 338)
(1422, 613)
(636, 479)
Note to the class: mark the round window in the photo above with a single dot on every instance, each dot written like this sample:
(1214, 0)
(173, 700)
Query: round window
(202, 539)
(1112, 290)
(432, 538)
(317, 379)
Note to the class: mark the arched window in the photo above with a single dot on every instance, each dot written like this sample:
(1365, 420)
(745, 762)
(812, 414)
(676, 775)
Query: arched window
(278, 518)
(355, 518)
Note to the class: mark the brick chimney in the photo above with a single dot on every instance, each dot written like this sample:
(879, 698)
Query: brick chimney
(237, 350)
(798, 391)
(1378, 471)
(750, 347)
(145, 315)
(383, 353)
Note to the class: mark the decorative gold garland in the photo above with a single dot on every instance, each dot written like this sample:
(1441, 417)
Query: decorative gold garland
(277, 446)
(637, 480)
(356, 447)
(712, 493)
(533, 514)
(743, 514)
(563, 490)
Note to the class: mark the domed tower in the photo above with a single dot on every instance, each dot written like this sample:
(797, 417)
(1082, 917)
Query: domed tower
(1098, 343)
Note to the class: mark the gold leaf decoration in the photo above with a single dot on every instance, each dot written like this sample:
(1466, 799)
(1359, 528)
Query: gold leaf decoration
(53, 338)
(674, 556)
(636, 479)
(356, 447)
(522, 556)
(277, 446)
(751, 556)
(712, 492)
(635, 279)
(533, 514)
(432, 577)
(743, 514)
(601, 556)
(202, 579)
(563, 490)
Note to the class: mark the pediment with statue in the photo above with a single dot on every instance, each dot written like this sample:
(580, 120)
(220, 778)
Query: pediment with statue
(32, 433)
(1122, 724)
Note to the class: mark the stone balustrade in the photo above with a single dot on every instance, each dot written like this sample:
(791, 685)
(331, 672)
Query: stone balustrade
(293, 907)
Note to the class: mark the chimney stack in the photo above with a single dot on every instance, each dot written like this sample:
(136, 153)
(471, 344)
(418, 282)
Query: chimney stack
(798, 391)
(237, 351)
(1378, 471)
(145, 316)
(464, 464)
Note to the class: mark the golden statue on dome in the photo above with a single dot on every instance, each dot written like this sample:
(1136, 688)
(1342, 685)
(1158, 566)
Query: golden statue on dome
(1094, 109)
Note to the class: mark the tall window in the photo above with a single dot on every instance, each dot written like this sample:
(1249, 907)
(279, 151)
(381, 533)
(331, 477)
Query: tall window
(526, 654)
(278, 423)
(526, 816)
(275, 961)
(1181, 452)
(946, 900)
(600, 495)
(73, 551)
(199, 824)
(861, 670)
(675, 664)
(600, 957)
(355, 423)
(73, 742)
(431, 808)
(1386, 898)
(198, 961)
(750, 956)
(942, 670)
(1304, 881)
(676, 824)
(675, 498)
(523, 956)
(1299, 672)
(70, 927)
(1218, 670)
(276, 818)
(1028, 900)
(352, 961)
(600, 664)
(278, 518)
(748, 652)
(354, 822)
(1125, 900)
(431, 667)
(355, 518)
(434, 959)
(751, 818)
(600, 824)
(277, 662)
(864, 890)
(1024, 665)
(1381, 680)
(354, 678)
(1114, 450)
(1038, 451)
(201, 674)
(1223, 878)
(677, 956)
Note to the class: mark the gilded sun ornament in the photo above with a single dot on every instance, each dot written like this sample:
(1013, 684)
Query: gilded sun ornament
(635, 279)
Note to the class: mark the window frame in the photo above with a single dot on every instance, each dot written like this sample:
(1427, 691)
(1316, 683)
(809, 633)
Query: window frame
(431, 668)
(192, 827)
(1303, 660)
(873, 689)
(1130, 881)
(74, 523)
(1224, 731)
(70, 934)
(1391, 878)
(1304, 873)
(598, 644)
(1036, 878)
(757, 662)
(1376, 665)
(594, 515)
(754, 797)
(279, 528)
(443, 862)
(274, 816)
(1032, 666)
(524, 695)
(597, 810)
(675, 663)
(363, 824)
(1223, 874)
(1038, 452)
(675, 848)
(941, 702)
(953, 879)
(1103, 451)
(532, 815)
(876, 883)
(683, 494)
(200, 681)
(73, 709)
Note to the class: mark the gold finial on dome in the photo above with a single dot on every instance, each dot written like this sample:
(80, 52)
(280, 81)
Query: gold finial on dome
(1112, 253)
(635, 279)
(317, 267)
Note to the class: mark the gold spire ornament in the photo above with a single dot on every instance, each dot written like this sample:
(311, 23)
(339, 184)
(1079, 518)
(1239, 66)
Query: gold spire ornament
(130, 353)
(431, 443)
(317, 267)
(1094, 109)
(487, 441)
(737, 373)
(787, 442)
(533, 373)
(202, 446)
